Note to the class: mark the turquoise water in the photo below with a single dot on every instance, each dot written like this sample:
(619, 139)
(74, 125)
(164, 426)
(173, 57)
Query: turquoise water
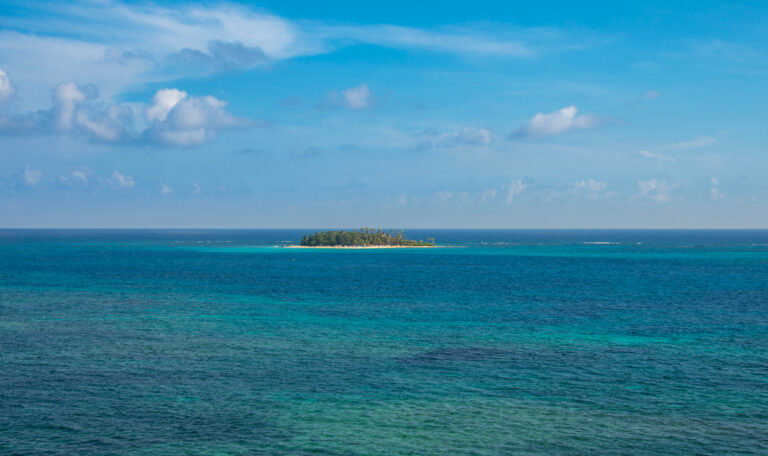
(506, 342)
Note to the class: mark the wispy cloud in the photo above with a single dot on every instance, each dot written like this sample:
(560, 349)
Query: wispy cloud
(467, 135)
(701, 141)
(152, 43)
(121, 180)
(659, 157)
(513, 189)
(455, 40)
(655, 153)
(560, 121)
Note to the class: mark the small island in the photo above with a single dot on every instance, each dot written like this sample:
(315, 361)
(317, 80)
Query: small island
(363, 238)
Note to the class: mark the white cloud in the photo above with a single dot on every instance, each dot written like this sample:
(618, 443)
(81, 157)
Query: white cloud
(701, 141)
(109, 123)
(122, 180)
(32, 176)
(453, 197)
(661, 158)
(592, 188)
(149, 43)
(656, 189)
(73, 111)
(461, 41)
(69, 113)
(655, 153)
(181, 120)
(66, 97)
(559, 121)
(467, 135)
(162, 102)
(513, 189)
(357, 97)
(488, 195)
(590, 184)
(173, 118)
(197, 189)
(80, 176)
(403, 200)
(715, 192)
(7, 90)
(165, 189)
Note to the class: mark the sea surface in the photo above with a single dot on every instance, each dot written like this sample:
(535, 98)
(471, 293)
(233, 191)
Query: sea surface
(222, 342)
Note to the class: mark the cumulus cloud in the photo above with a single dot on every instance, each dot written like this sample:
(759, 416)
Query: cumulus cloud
(445, 195)
(32, 176)
(714, 191)
(181, 120)
(121, 180)
(79, 176)
(73, 111)
(162, 102)
(448, 196)
(165, 189)
(590, 184)
(488, 195)
(7, 90)
(659, 157)
(656, 189)
(357, 97)
(66, 98)
(467, 135)
(173, 118)
(560, 121)
(197, 189)
(592, 188)
(513, 189)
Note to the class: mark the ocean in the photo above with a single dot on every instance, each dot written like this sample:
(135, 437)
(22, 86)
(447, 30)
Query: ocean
(222, 342)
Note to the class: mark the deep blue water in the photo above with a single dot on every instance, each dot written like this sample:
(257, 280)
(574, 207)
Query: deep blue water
(505, 342)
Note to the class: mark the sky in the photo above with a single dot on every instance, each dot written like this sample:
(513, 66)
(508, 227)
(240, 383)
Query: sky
(548, 114)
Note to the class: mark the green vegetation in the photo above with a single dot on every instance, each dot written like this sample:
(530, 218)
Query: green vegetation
(362, 238)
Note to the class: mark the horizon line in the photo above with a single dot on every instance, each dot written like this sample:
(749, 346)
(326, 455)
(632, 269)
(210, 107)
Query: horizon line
(389, 228)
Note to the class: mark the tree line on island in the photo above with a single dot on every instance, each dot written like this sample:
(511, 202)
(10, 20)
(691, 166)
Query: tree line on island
(362, 238)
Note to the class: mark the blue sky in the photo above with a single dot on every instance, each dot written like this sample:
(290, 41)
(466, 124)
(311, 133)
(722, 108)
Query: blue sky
(397, 114)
